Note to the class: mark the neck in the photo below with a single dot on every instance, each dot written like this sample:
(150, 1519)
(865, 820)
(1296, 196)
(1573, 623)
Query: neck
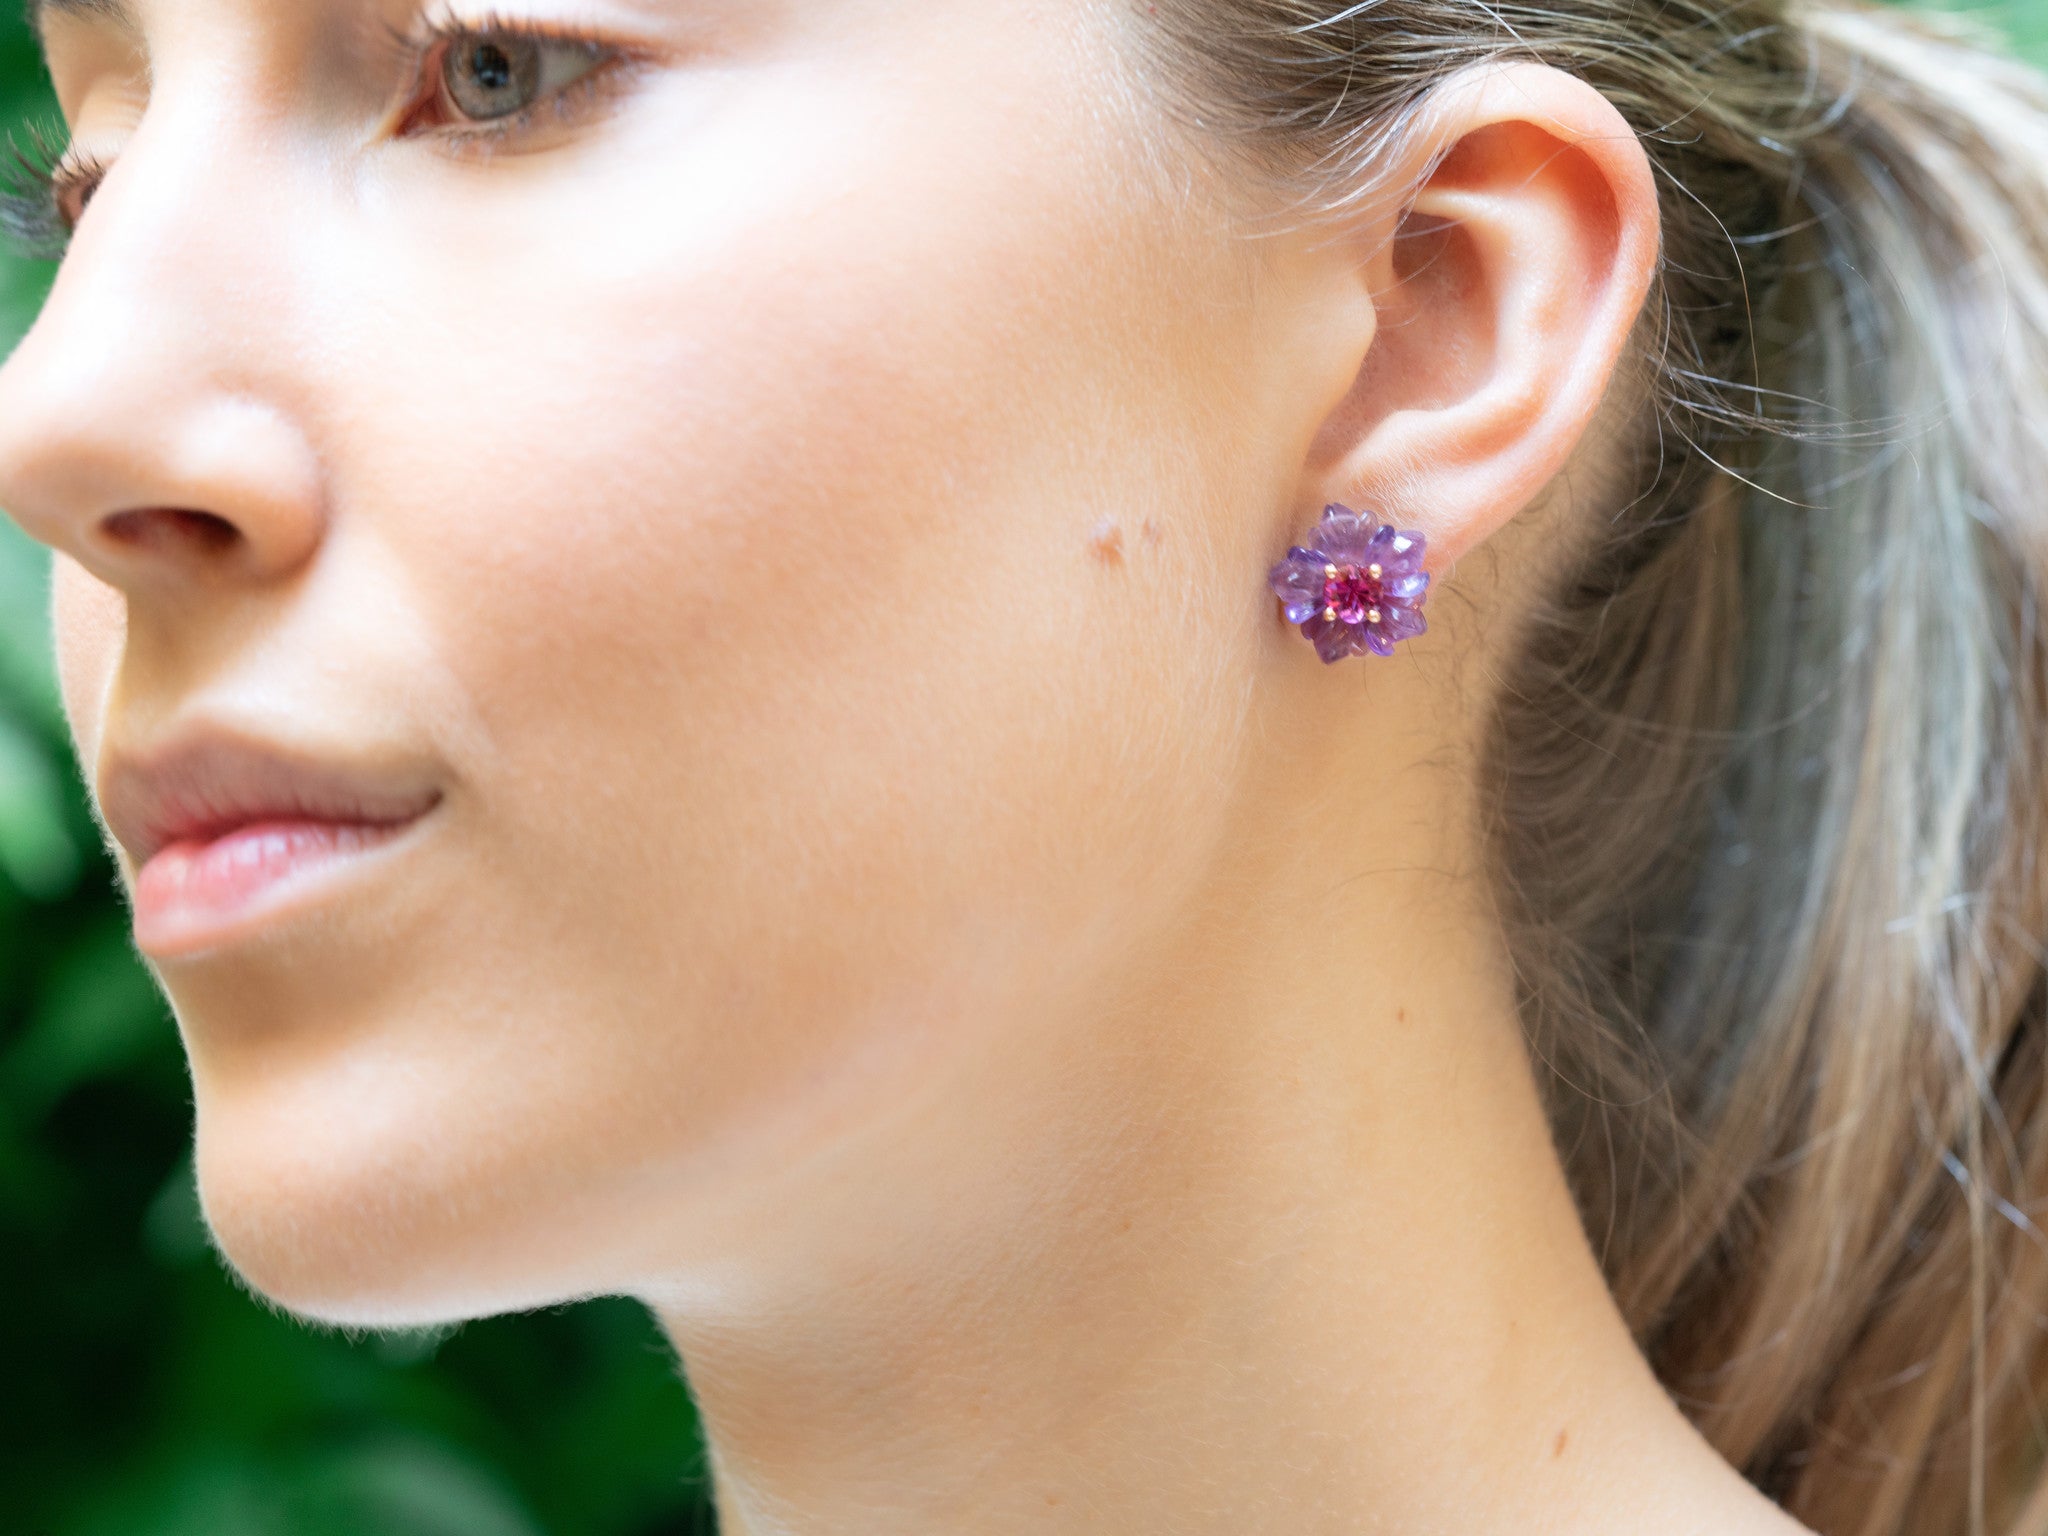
(1275, 1241)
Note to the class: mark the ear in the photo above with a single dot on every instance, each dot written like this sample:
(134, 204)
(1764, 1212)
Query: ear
(1502, 304)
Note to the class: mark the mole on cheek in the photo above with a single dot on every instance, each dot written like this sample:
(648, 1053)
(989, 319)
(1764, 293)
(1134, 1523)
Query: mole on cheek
(1106, 538)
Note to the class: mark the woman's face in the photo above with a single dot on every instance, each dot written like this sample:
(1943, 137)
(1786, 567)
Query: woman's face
(775, 492)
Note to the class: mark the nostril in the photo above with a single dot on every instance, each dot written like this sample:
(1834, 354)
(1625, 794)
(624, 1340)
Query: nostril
(171, 528)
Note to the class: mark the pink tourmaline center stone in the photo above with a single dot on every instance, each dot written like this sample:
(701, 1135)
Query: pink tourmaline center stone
(1351, 590)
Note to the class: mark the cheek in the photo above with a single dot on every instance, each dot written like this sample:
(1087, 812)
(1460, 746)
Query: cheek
(779, 604)
(806, 735)
(781, 614)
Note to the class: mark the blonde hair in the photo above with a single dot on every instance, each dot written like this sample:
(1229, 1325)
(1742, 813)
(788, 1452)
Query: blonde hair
(1769, 762)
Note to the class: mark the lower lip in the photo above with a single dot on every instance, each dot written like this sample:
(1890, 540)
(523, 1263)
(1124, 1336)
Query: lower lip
(196, 894)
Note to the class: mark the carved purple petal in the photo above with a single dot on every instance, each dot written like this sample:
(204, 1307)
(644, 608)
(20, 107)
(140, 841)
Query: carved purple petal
(1407, 587)
(1298, 582)
(1343, 536)
(1403, 623)
(1334, 639)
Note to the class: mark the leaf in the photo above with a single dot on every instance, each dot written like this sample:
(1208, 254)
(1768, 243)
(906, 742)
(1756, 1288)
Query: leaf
(36, 850)
(28, 675)
(404, 1488)
(98, 1013)
(173, 1227)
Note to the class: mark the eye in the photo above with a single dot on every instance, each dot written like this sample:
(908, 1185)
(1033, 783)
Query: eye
(75, 185)
(496, 74)
(480, 77)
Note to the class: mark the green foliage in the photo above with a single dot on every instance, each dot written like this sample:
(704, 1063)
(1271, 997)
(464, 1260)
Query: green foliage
(2022, 23)
(145, 1393)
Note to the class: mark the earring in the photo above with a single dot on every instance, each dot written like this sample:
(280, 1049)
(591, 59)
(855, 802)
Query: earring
(1356, 586)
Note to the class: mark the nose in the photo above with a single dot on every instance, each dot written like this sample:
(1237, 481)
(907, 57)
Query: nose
(148, 426)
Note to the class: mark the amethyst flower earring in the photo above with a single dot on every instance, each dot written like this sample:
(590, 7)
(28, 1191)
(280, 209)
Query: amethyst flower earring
(1356, 586)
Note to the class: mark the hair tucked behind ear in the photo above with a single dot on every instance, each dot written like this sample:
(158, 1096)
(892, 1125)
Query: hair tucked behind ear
(1769, 768)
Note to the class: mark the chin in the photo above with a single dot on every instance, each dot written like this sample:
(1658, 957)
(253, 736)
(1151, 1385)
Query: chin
(364, 1231)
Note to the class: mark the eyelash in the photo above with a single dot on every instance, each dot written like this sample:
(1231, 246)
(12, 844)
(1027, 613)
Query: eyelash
(45, 184)
(44, 187)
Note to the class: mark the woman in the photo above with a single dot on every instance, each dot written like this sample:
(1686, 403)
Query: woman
(708, 637)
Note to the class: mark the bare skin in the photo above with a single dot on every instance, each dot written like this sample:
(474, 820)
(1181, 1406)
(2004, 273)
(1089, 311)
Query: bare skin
(903, 903)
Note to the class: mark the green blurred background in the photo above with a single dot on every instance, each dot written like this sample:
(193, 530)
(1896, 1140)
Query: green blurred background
(142, 1393)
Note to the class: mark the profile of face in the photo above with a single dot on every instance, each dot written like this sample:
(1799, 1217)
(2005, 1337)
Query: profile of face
(790, 485)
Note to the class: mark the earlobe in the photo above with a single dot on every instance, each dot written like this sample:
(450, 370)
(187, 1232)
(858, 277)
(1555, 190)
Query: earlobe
(1505, 304)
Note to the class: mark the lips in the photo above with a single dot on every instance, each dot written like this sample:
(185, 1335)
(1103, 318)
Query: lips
(219, 825)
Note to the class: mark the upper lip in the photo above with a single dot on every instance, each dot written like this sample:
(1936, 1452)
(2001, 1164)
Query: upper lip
(206, 784)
